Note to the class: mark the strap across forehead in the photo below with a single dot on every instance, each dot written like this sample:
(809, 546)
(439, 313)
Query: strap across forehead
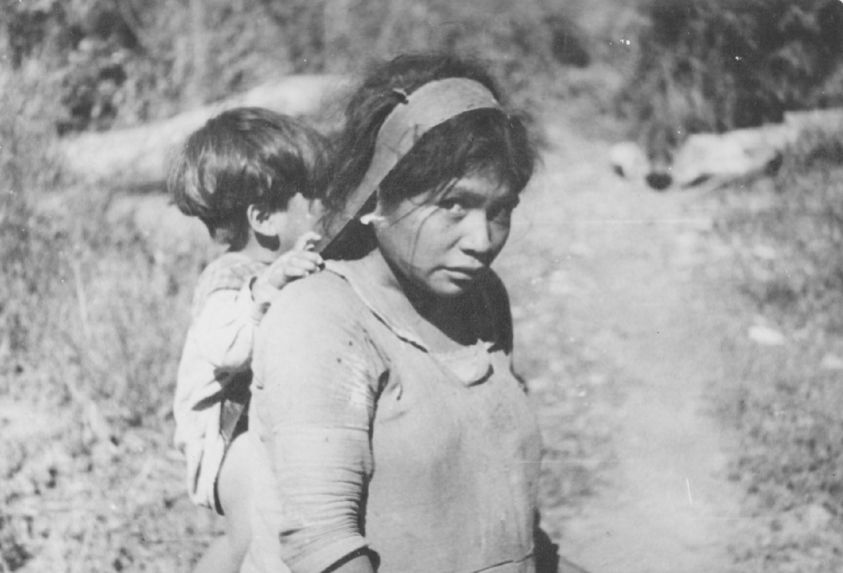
(430, 105)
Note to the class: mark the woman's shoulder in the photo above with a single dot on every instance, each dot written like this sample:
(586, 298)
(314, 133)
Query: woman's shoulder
(311, 321)
(325, 293)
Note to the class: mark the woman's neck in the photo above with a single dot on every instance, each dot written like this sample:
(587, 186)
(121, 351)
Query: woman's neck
(444, 323)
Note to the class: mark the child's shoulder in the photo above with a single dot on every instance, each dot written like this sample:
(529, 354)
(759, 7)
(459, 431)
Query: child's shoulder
(229, 271)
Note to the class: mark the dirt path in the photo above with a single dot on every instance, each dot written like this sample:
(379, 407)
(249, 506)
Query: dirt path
(627, 266)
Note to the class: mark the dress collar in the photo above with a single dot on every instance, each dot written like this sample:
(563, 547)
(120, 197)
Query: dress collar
(470, 364)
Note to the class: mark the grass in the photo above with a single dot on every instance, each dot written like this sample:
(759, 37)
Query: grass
(93, 322)
(785, 236)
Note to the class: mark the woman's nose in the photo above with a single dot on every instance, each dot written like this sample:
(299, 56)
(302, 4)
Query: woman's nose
(477, 236)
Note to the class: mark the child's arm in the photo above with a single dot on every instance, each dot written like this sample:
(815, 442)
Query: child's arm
(223, 331)
(298, 262)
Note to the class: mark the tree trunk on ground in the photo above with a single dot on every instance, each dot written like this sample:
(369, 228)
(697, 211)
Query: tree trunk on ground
(140, 157)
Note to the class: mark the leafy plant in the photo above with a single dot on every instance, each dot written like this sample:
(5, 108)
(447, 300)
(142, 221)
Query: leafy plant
(122, 62)
(786, 236)
(717, 65)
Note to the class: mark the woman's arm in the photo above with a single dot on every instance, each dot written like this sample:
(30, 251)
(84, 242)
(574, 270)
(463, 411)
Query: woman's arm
(314, 397)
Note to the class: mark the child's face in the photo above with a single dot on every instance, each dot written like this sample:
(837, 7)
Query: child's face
(299, 217)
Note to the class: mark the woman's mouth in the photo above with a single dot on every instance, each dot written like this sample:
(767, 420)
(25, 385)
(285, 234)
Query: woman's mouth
(465, 273)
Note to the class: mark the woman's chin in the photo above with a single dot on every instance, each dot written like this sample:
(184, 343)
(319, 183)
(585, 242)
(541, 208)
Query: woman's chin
(451, 288)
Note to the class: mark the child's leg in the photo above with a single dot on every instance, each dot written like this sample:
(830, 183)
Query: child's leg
(234, 489)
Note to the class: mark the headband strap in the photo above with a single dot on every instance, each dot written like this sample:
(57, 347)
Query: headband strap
(430, 105)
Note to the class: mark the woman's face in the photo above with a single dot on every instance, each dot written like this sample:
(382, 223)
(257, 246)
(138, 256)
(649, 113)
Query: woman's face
(442, 242)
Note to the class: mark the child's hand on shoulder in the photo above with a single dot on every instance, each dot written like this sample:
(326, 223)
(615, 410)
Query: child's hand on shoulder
(296, 263)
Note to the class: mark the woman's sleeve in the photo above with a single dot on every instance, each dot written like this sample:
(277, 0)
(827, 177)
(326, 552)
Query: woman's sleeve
(315, 386)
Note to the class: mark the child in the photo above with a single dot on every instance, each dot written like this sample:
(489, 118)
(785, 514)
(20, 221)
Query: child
(249, 175)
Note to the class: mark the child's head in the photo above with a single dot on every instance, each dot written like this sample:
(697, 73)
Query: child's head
(242, 157)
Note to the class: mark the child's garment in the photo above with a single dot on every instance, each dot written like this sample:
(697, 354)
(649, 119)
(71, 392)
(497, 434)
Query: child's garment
(215, 367)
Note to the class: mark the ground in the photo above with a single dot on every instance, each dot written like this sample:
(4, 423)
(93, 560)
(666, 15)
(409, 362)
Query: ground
(613, 273)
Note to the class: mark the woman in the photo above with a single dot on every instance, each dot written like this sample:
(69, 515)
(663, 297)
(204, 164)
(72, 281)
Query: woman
(398, 437)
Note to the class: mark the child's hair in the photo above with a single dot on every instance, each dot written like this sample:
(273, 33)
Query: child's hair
(483, 140)
(245, 156)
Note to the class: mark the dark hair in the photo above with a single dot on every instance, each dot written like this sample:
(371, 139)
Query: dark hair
(245, 156)
(488, 140)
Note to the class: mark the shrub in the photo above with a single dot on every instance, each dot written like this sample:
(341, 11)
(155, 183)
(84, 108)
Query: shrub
(787, 235)
(708, 65)
(121, 63)
(801, 224)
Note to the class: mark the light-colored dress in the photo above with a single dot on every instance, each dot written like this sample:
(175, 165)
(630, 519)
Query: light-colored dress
(430, 460)
(215, 364)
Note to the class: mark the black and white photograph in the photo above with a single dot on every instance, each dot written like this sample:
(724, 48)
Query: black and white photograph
(421, 286)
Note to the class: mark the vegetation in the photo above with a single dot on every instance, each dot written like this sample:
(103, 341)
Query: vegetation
(711, 66)
(786, 236)
(119, 63)
(91, 321)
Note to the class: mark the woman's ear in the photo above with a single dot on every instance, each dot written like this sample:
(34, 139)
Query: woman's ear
(376, 215)
(371, 218)
(259, 221)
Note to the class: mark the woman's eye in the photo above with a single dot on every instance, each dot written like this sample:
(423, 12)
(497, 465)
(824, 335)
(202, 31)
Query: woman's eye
(453, 207)
(502, 214)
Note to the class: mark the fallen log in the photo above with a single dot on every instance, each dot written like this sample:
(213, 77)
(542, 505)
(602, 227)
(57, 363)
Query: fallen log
(139, 157)
(718, 158)
(750, 152)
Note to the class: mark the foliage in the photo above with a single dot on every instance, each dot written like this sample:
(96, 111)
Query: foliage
(27, 157)
(90, 329)
(786, 236)
(717, 65)
(797, 218)
(123, 62)
(67, 277)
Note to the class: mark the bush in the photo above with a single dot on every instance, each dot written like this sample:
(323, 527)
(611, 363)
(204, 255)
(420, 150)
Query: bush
(787, 236)
(122, 63)
(799, 223)
(91, 325)
(708, 65)
(75, 290)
